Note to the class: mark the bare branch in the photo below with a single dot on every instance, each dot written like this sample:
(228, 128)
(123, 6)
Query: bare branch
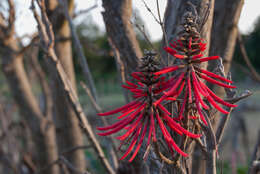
(120, 68)
(46, 35)
(99, 110)
(71, 167)
(81, 12)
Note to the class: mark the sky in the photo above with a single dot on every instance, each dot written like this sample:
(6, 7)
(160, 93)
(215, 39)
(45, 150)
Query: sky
(25, 23)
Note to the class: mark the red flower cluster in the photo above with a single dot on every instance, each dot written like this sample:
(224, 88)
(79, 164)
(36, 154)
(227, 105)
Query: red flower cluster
(141, 116)
(190, 77)
(151, 91)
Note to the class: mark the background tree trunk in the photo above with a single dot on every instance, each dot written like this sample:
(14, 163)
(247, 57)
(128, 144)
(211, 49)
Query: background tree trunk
(224, 36)
(117, 17)
(43, 130)
(68, 131)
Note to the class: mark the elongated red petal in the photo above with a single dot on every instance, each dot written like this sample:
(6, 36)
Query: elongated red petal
(197, 95)
(197, 56)
(175, 86)
(190, 42)
(189, 87)
(140, 142)
(132, 144)
(216, 105)
(131, 84)
(167, 70)
(136, 76)
(128, 87)
(179, 56)
(208, 58)
(118, 109)
(215, 75)
(132, 128)
(180, 128)
(114, 125)
(164, 109)
(218, 99)
(199, 111)
(170, 50)
(168, 137)
(184, 102)
(216, 82)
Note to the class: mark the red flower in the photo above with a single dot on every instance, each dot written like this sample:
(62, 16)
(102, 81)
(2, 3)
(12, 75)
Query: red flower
(141, 117)
(190, 77)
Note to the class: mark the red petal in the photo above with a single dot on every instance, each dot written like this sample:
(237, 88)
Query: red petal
(197, 94)
(179, 56)
(166, 70)
(216, 82)
(131, 84)
(168, 137)
(215, 75)
(208, 58)
(164, 109)
(199, 111)
(170, 50)
(118, 109)
(132, 144)
(197, 56)
(218, 99)
(173, 89)
(140, 142)
(132, 128)
(190, 42)
(216, 105)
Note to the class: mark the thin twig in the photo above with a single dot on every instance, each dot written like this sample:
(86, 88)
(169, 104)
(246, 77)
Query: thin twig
(47, 40)
(120, 68)
(99, 110)
(85, 11)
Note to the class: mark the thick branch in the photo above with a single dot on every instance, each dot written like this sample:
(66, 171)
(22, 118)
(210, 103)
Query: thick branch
(45, 29)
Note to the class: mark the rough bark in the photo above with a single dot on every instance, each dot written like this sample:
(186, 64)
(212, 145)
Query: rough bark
(68, 130)
(43, 131)
(122, 37)
(224, 36)
(117, 17)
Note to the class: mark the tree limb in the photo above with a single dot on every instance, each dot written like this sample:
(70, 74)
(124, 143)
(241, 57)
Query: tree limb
(47, 38)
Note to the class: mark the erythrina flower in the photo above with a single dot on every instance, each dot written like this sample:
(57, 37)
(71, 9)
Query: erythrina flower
(141, 117)
(190, 76)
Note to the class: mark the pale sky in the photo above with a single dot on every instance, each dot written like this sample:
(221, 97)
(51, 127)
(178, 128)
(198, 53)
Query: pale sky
(25, 23)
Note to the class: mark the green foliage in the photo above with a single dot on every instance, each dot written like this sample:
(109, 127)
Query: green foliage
(252, 45)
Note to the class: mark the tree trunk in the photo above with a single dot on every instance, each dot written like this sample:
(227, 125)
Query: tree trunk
(43, 131)
(224, 36)
(68, 130)
(117, 17)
